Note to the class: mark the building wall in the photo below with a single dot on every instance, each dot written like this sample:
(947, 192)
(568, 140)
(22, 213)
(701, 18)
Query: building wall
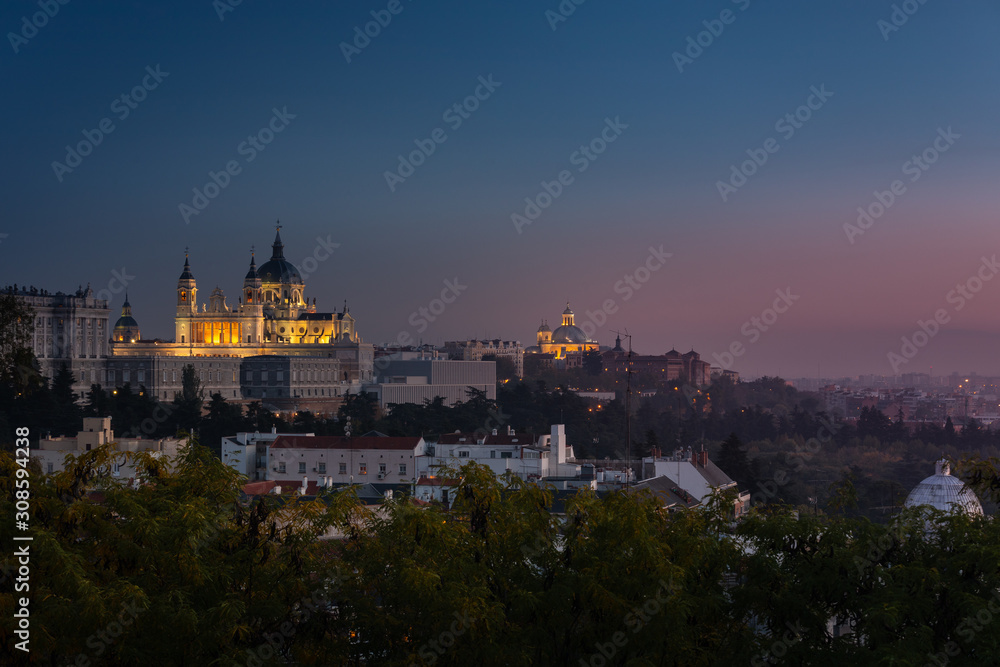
(71, 329)
(359, 465)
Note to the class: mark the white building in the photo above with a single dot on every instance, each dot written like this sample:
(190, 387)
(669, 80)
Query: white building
(944, 492)
(343, 459)
(52, 452)
(693, 474)
(414, 381)
(532, 459)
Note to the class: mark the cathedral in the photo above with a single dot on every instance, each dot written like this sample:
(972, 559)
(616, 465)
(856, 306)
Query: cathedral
(272, 343)
(272, 316)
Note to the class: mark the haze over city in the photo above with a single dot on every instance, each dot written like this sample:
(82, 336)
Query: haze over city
(873, 103)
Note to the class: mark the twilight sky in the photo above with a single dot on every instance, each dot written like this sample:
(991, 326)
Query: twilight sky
(639, 123)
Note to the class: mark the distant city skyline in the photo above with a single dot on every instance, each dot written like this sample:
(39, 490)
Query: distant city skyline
(827, 170)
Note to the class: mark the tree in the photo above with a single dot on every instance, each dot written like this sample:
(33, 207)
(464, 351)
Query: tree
(506, 369)
(67, 415)
(18, 368)
(188, 402)
(733, 461)
(593, 363)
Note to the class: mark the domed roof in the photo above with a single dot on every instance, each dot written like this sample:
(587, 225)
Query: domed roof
(567, 311)
(569, 333)
(126, 328)
(944, 492)
(544, 327)
(278, 269)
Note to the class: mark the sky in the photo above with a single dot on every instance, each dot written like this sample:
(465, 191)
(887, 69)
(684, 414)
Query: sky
(636, 159)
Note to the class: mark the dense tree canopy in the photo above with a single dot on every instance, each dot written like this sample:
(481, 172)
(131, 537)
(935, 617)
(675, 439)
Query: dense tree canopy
(183, 570)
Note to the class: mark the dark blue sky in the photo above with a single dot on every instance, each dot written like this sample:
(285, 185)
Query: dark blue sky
(656, 184)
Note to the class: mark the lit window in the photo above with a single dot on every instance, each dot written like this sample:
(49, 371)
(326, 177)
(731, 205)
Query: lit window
(364, 469)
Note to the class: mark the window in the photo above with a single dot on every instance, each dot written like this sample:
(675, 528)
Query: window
(364, 469)
(249, 376)
(49, 467)
(281, 376)
(322, 467)
(506, 455)
(402, 468)
(173, 376)
(302, 467)
(281, 467)
(343, 469)
(263, 376)
(381, 468)
(142, 376)
(493, 454)
(463, 454)
(125, 375)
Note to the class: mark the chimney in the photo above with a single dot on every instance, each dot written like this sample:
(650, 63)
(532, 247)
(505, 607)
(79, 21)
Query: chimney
(694, 459)
(704, 459)
(510, 430)
(558, 442)
(305, 485)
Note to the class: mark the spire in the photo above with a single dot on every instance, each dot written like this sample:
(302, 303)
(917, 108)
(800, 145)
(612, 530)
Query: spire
(126, 307)
(186, 273)
(278, 246)
(252, 273)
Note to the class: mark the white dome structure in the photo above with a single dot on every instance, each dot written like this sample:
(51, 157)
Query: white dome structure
(944, 492)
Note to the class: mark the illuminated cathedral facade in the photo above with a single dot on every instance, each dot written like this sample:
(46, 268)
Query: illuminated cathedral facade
(272, 311)
(272, 319)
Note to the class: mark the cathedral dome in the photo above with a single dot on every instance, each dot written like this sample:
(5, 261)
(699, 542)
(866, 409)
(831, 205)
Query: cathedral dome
(126, 328)
(944, 492)
(569, 333)
(278, 269)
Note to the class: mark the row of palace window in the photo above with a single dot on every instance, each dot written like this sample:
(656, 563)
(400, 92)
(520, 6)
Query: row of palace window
(342, 468)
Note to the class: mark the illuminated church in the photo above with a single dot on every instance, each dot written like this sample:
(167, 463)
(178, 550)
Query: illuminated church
(272, 311)
(565, 339)
(271, 344)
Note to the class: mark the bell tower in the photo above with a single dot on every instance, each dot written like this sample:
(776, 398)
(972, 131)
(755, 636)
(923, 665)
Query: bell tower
(252, 308)
(187, 303)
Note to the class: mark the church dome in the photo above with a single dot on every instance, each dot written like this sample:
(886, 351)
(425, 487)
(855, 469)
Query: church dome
(569, 333)
(126, 328)
(944, 492)
(278, 269)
